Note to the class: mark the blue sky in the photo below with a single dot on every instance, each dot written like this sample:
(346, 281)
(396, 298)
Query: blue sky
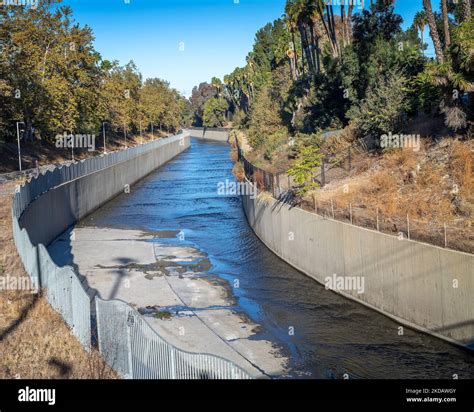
(185, 41)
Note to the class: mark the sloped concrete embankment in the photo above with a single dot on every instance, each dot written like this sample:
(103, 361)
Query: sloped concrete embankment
(419, 285)
(57, 209)
(206, 133)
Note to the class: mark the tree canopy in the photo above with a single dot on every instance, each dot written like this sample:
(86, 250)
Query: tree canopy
(53, 80)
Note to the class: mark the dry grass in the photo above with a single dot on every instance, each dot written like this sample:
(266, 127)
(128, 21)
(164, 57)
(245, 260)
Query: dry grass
(462, 166)
(430, 184)
(34, 340)
(432, 188)
(340, 142)
(47, 153)
(238, 172)
(265, 197)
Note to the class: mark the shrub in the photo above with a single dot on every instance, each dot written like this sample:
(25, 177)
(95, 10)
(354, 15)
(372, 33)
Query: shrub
(383, 108)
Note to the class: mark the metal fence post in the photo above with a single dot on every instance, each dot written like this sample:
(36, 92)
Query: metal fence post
(408, 226)
(445, 235)
(130, 322)
(350, 159)
(173, 363)
(323, 174)
(98, 327)
(378, 224)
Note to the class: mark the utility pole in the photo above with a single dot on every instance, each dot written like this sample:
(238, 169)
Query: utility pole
(72, 149)
(18, 139)
(103, 134)
(125, 133)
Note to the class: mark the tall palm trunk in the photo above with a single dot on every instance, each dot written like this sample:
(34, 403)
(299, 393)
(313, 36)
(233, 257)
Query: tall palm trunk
(292, 66)
(307, 48)
(447, 37)
(314, 48)
(423, 40)
(318, 55)
(330, 11)
(326, 29)
(350, 8)
(433, 31)
(295, 53)
(343, 21)
(466, 6)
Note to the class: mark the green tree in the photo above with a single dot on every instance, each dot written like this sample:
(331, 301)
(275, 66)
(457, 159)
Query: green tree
(50, 70)
(265, 119)
(383, 108)
(304, 169)
(214, 112)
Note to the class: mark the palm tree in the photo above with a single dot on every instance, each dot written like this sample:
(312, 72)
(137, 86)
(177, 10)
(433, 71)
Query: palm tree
(316, 35)
(217, 84)
(319, 6)
(346, 22)
(444, 10)
(433, 30)
(332, 26)
(305, 24)
(299, 10)
(466, 9)
(291, 21)
(420, 22)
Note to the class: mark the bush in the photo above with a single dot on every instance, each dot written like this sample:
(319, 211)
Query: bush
(265, 119)
(383, 108)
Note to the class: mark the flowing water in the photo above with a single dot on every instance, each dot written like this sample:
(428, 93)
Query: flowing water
(323, 334)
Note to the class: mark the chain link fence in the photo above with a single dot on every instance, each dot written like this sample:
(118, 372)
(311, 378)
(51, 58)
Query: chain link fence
(125, 340)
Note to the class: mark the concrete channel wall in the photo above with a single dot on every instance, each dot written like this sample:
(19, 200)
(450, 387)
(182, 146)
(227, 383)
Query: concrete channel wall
(73, 200)
(419, 285)
(214, 134)
(45, 207)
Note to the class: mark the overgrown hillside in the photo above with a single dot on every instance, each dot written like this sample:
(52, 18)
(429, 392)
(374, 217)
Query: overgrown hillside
(323, 79)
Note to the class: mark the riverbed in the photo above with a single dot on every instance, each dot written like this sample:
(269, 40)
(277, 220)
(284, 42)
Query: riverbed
(319, 333)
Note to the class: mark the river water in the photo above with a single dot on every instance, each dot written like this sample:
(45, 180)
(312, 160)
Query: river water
(323, 334)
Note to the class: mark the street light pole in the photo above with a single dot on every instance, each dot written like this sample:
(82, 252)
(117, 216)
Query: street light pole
(18, 139)
(103, 134)
(125, 133)
(72, 147)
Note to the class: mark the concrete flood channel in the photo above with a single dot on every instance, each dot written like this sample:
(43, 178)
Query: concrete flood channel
(185, 257)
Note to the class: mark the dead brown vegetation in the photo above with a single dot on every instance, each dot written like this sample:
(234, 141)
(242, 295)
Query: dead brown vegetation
(35, 342)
